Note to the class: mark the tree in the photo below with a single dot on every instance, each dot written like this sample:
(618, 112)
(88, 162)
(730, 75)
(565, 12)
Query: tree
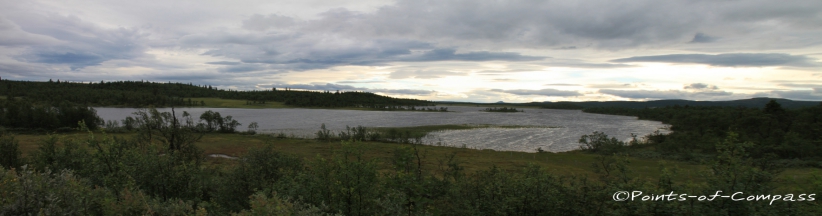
(252, 128)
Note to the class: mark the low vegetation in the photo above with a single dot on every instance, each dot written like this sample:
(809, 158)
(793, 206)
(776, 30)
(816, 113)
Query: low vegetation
(503, 109)
(790, 136)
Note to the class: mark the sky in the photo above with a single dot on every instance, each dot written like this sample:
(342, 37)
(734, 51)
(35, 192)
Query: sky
(471, 50)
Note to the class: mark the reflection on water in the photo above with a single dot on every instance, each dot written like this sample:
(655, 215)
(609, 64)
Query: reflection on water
(571, 124)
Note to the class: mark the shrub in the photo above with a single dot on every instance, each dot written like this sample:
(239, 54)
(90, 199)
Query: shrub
(600, 142)
(9, 152)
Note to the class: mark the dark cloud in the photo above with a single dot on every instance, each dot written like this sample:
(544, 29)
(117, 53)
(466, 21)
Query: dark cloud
(541, 92)
(39, 39)
(306, 53)
(452, 55)
(80, 44)
(701, 86)
(702, 38)
(731, 59)
(668, 94)
(224, 63)
(242, 68)
(77, 60)
(545, 24)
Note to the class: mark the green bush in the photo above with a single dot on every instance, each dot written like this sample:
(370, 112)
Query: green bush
(9, 152)
(600, 143)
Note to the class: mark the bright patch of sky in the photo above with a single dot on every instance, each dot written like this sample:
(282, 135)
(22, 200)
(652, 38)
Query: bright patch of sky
(478, 51)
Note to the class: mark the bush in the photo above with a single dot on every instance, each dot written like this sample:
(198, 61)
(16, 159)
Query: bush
(258, 170)
(599, 142)
(46, 193)
(324, 134)
(9, 152)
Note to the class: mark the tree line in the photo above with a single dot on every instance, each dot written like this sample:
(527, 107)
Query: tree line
(502, 109)
(144, 94)
(776, 132)
(26, 114)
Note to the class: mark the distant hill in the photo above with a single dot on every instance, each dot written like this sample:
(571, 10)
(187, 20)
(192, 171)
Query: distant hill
(750, 103)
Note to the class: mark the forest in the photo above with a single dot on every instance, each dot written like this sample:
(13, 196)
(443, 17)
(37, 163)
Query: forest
(24, 115)
(747, 103)
(145, 94)
(792, 135)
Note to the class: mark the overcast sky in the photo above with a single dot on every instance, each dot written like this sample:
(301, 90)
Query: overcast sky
(478, 51)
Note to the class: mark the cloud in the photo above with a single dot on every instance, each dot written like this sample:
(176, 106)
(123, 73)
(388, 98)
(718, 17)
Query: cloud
(404, 91)
(546, 24)
(361, 81)
(702, 38)
(540, 92)
(81, 44)
(578, 63)
(224, 63)
(451, 55)
(701, 86)
(813, 95)
(801, 85)
(612, 85)
(299, 51)
(422, 74)
(504, 80)
(259, 22)
(241, 68)
(670, 94)
(12, 35)
(562, 84)
(730, 59)
(243, 42)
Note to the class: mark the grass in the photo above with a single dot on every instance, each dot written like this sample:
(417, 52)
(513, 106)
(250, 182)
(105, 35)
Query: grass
(565, 163)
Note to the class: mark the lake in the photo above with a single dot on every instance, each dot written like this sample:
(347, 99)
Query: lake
(553, 130)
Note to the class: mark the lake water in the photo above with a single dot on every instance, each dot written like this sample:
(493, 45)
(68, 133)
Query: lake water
(569, 124)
